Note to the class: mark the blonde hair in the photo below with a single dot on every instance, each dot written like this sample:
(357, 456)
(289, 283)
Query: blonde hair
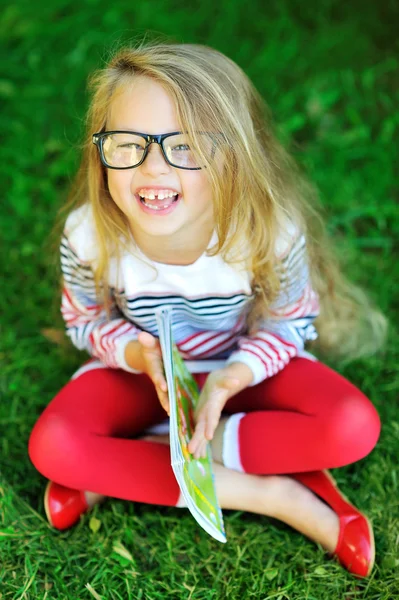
(261, 186)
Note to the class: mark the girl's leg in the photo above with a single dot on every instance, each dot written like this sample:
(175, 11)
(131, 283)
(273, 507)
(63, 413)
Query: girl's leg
(279, 497)
(305, 418)
(81, 439)
(274, 496)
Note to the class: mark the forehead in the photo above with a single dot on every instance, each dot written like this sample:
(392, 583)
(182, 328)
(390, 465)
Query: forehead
(143, 105)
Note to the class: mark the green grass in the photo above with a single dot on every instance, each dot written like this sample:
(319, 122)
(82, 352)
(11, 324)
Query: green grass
(329, 72)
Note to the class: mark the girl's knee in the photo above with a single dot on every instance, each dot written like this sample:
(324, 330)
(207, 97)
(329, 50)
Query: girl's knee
(355, 427)
(51, 443)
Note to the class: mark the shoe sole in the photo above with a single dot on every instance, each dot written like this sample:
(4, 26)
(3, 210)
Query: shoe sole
(370, 528)
(46, 505)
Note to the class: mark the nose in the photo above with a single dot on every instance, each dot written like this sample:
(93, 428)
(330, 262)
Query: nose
(155, 163)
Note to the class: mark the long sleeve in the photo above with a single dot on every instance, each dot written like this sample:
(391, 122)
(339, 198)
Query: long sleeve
(290, 324)
(86, 321)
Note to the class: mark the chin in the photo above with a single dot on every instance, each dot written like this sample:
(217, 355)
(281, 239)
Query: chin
(161, 229)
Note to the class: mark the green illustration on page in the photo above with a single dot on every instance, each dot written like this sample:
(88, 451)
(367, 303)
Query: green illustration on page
(194, 476)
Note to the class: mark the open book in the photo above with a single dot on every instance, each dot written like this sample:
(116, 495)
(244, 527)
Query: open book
(194, 476)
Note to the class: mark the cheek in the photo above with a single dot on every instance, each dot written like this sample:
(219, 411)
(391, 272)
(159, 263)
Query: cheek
(200, 188)
(118, 185)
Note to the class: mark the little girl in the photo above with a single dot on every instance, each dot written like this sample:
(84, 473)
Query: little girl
(184, 199)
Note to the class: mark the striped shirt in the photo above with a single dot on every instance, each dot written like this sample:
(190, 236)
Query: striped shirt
(209, 300)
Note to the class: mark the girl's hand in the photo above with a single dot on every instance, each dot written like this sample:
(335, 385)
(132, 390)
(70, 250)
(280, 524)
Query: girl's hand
(220, 385)
(151, 355)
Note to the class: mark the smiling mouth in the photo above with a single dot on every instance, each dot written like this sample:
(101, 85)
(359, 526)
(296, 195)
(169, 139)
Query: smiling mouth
(157, 204)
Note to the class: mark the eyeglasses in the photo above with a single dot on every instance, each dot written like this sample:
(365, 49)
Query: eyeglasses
(128, 149)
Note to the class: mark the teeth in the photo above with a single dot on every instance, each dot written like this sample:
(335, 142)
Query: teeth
(156, 207)
(152, 194)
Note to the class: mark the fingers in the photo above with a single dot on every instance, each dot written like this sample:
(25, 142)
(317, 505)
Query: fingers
(161, 388)
(209, 411)
(212, 422)
(197, 440)
(206, 423)
(154, 366)
(201, 452)
(160, 382)
(164, 401)
(200, 448)
(198, 443)
(162, 391)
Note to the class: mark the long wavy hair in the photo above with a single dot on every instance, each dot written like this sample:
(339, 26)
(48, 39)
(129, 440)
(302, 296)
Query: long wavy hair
(260, 189)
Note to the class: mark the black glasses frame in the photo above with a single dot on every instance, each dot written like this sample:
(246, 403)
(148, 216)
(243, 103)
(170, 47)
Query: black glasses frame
(98, 140)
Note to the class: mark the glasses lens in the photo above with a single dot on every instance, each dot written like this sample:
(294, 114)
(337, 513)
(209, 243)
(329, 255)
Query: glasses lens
(180, 153)
(123, 149)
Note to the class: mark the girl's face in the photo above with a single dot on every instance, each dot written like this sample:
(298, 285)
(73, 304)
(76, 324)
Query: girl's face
(146, 107)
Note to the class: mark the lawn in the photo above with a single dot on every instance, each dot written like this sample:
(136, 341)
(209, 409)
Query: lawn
(329, 71)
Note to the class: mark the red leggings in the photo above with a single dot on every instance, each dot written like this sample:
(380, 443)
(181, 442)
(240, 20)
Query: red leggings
(305, 418)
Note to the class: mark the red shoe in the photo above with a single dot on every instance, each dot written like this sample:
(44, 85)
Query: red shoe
(355, 547)
(63, 505)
